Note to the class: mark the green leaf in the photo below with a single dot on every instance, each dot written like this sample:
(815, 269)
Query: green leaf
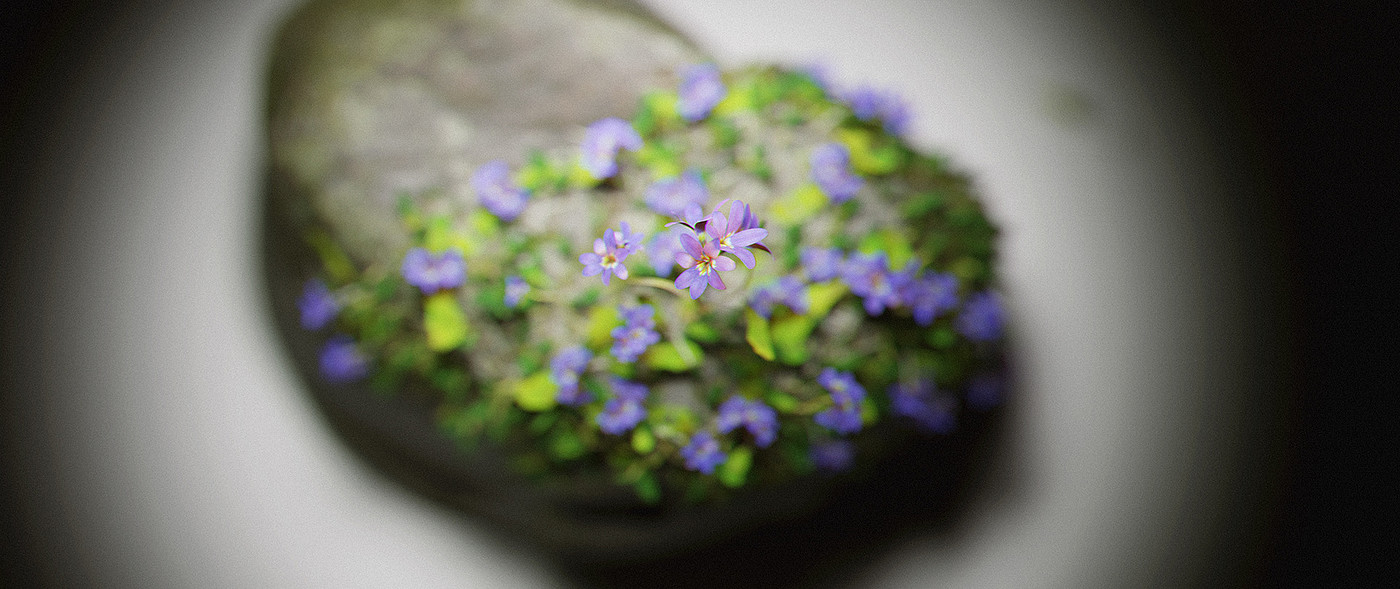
(648, 490)
(869, 155)
(790, 336)
(667, 356)
(782, 402)
(536, 393)
(565, 445)
(643, 441)
(735, 469)
(759, 336)
(601, 321)
(333, 259)
(822, 297)
(802, 204)
(702, 332)
(437, 235)
(445, 323)
(892, 242)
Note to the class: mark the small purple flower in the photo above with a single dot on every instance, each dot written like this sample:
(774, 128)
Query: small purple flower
(318, 307)
(982, 317)
(341, 361)
(601, 142)
(516, 289)
(833, 455)
(931, 295)
(736, 233)
(565, 368)
(868, 104)
(787, 290)
(670, 196)
(702, 454)
(831, 170)
(847, 395)
(822, 264)
(985, 391)
(923, 403)
(700, 90)
(431, 273)
(869, 277)
(627, 239)
(759, 419)
(662, 249)
(624, 411)
(497, 191)
(607, 255)
(636, 334)
(702, 264)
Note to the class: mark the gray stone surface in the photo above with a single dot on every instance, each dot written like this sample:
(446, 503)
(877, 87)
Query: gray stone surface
(369, 98)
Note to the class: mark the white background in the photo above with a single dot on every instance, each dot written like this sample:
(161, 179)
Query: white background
(169, 443)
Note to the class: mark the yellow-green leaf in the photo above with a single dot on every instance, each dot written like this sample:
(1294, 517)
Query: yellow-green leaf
(333, 259)
(667, 356)
(735, 469)
(790, 338)
(869, 156)
(536, 393)
(759, 336)
(893, 243)
(601, 321)
(799, 206)
(643, 441)
(822, 297)
(444, 322)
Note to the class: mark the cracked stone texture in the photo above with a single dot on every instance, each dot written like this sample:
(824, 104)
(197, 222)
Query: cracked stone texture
(371, 98)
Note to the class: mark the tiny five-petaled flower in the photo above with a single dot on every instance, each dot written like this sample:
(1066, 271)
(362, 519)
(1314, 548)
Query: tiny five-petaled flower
(700, 90)
(431, 273)
(702, 454)
(702, 263)
(846, 395)
(497, 192)
(831, 170)
(318, 307)
(601, 142)
(759, 419)
(608, 253)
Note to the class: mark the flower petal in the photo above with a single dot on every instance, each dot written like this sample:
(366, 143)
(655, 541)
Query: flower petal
(744, 256)
(697, 288)
(687, 278)
(747, 237)
(620, 271)
(692, 246)
(715, 280)
(725, 264)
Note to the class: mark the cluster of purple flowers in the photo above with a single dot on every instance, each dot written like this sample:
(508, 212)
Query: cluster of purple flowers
(788, 290)
(565, 369)
(712, 235)
(869, 104)
(922, 402)
(516, 289)
(700, 90)
(601, 142)
(624, 411)
(927, 295)
(341, 361)
(846, 394)
(982, 317)
(759, 419)
(609, 251)
(497, 191)
(636, 334)
(702, 454)
(671, 196)
(433, 272)
(318, 307)
(831, 170)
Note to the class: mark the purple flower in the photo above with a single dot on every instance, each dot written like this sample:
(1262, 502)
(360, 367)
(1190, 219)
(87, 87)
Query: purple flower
(985, 391)
(516, 289)
(820, 76)
(497, 191)
(565, 368)
(626, 238)
(833, 455)
(868, 104)
(702, 454)
(601, 142)
(608, 254)
(736, 233)
(341, 361)
(869, 277)
(923, 403)
(700, 90)
(702, 265)
(662, 250)
(787, 290)
(431, 273)
(624, 411)
(846, 395)
(670, 196)
(822, 264)
(636, 334)
(317, 305)
(759, 419)
(982, 317)
(932, 294)
(831, 170)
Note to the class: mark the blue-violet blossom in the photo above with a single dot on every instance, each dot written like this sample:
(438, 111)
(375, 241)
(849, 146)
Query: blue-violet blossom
(670, 196)
(870, 278)
(318, 307)
(831, 170)
(788, 290)
(759, 419)
(431, 273)
(833, 455)
(982, 317)
(736, 233)
(341, 361)
(516, 289)
(636, 334)
(868, 104)
(822, 264)
(565, 369)
(847, 395)
(700, 90)
(607, 255)
(922, 402)
(601, 142)
(702, 263)
(497, 191)
(624, 411)
(930, 295)
(702, 453)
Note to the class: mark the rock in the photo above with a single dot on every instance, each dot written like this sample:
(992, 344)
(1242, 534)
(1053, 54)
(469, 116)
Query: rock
(371, 99)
